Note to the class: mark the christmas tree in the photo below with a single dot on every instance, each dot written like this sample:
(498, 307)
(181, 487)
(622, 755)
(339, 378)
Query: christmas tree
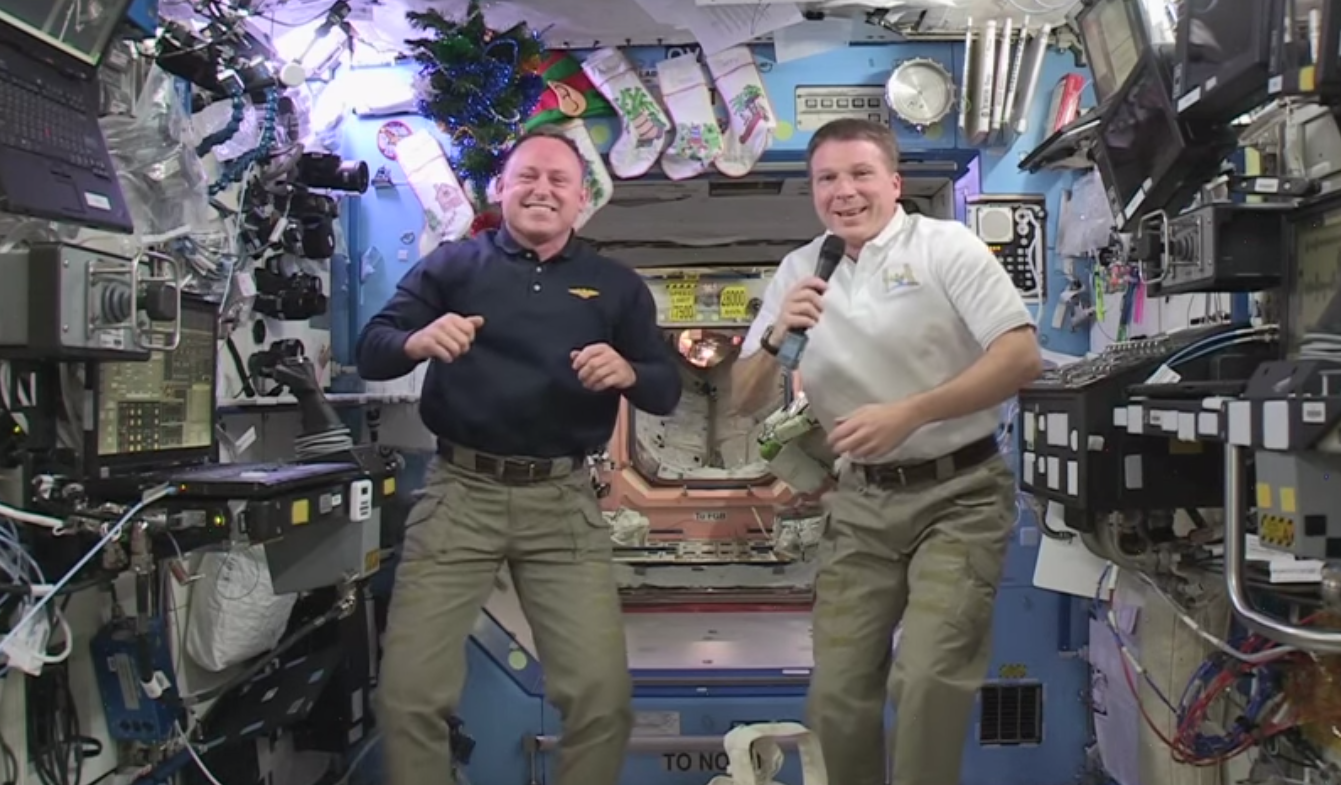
(478, 85)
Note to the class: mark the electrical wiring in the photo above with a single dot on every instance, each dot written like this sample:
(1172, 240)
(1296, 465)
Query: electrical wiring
(195, 757)
(57, 747)
(1257, 660)
(1218, 347)
(22, 570)
(113, 532)
(1218, 341)
(23, 516)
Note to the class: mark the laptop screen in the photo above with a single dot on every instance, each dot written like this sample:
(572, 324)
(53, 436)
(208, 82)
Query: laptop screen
(80, 28)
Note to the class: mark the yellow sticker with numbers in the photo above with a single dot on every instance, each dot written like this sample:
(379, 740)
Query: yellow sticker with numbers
(683, 301)
(732, 303)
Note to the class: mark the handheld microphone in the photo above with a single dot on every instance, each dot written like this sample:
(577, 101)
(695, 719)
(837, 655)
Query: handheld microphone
(831, 253)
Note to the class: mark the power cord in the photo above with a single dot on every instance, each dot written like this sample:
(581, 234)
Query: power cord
(57, 746)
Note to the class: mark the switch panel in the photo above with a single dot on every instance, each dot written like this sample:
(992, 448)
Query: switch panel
(817, 105)
(1015, 228)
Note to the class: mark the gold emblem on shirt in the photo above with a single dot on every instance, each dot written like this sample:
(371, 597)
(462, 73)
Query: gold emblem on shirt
(896, 278)
(585, 294)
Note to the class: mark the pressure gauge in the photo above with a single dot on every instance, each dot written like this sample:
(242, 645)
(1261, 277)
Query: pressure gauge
(921, 92)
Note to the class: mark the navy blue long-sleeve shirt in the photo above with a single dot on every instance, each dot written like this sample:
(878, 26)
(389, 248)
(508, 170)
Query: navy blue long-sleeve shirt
(515, 392)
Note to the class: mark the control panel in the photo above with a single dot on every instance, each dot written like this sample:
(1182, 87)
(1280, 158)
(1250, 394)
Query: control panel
(1120, 357)
(1223, 247)
(69, 303)
(1015, 228)
(1076, 453)
(818, 104)
(715, 297)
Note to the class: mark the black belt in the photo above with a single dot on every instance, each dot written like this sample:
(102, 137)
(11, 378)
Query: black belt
(900, 474)
(510, 471)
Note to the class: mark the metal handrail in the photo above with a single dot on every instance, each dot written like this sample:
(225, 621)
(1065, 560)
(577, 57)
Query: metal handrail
(1235, 549)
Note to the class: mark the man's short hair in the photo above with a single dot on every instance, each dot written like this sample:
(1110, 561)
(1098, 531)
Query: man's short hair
(548, 132)
(852, 129)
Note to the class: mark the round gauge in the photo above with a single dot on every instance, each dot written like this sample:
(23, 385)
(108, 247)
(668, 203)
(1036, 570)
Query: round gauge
(921, 92)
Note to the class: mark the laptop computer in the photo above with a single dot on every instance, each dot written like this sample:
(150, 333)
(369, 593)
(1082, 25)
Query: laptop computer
(54, 162)
(256, 480)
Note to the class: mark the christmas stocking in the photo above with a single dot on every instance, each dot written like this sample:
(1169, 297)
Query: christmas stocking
(752, 118)
(645, 126)
(570, 98)
(447, 209)
(698, 139)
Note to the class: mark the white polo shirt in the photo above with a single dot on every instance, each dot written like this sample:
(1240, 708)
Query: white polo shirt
(921, 304)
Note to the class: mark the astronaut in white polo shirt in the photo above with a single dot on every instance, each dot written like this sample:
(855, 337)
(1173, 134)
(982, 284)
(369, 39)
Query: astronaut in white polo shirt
(914, 343)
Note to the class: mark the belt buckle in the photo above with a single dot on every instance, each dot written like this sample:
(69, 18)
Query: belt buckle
(517, 471)
(899, 473)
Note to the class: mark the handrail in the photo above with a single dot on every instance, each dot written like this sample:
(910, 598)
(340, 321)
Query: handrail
(1235, 548)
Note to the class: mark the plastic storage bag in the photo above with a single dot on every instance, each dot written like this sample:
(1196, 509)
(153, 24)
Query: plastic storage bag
(157, 166)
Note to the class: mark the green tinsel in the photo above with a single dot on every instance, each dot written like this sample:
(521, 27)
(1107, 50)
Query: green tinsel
(481, 86)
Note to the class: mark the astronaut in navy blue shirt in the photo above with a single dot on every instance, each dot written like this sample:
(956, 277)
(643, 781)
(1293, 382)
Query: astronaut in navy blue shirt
(532, 339)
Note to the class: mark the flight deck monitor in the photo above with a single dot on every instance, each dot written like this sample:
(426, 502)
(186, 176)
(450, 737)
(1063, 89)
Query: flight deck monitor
(1313, 282)
(1223, 61)
(159, 411)
(1114, 37)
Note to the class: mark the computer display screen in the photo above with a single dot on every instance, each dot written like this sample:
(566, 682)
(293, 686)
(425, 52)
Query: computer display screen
(1113, 44)
(80, 28)
(1225, 51)
(1317, 278)
(1140, 135)
(166, 403)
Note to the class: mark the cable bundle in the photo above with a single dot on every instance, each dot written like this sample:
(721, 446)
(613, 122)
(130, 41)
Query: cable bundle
(1264, 714)
(1258, 670)
(24, 579)
(56, 745)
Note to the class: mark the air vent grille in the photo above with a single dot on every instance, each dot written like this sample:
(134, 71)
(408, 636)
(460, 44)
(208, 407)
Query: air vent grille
(1011, 715)
(751, 187)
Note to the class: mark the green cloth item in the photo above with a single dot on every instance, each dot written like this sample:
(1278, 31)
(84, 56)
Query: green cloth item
(570, 94)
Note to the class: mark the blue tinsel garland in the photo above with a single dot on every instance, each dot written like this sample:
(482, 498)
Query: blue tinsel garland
(478, 84)
(236, 168)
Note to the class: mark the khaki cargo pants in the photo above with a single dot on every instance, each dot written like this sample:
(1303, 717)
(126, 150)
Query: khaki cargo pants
(931, 556)
(557, 545)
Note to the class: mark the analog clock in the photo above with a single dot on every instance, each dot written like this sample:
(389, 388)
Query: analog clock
(921, 92)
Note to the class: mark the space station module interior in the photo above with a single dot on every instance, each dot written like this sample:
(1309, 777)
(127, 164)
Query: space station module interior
(203, 202)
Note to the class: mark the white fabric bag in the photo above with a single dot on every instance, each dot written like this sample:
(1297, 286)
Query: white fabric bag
(748, 744)
(234, 613)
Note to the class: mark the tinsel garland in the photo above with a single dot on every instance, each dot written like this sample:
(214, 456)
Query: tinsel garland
(478, 85)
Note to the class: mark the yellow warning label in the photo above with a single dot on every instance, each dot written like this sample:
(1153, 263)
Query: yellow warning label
(1287, 503)
(1263, 496)
(733, 302)
(300, 513)
(1276, 530)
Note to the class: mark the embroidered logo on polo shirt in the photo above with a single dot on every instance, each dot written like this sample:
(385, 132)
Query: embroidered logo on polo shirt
(900, 278)
(585, 294)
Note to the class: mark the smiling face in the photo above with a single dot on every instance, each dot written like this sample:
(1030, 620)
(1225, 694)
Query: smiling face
(856, 189)
(542, 191)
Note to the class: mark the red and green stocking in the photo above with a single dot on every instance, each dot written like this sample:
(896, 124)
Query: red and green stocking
(570, 99)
